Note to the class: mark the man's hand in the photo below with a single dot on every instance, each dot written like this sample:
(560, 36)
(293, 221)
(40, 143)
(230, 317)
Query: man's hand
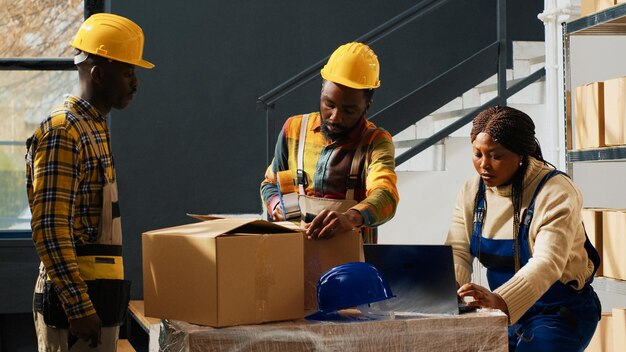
(87, 328)
(277, 213)
(327, 223)
(483, 297)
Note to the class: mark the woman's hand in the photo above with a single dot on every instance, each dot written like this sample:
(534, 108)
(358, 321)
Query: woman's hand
(483, 297)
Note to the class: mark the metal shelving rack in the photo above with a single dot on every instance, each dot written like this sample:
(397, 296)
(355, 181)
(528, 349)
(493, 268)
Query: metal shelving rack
(610, 22)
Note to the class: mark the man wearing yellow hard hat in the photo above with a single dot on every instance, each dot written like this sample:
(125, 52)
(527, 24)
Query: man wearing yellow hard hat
(339, 165)
(81, 296)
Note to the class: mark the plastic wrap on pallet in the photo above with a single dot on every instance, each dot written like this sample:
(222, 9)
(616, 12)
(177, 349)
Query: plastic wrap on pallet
(484, 330)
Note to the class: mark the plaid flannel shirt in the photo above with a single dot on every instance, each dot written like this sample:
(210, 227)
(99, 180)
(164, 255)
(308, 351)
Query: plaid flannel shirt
(64, 183)
(327, 166)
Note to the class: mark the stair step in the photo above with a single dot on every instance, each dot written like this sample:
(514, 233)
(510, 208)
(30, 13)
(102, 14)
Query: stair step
(528, 57)
(411, 143)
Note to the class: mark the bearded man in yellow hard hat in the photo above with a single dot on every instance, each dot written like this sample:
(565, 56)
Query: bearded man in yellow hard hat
(340, 165)
(81, 296)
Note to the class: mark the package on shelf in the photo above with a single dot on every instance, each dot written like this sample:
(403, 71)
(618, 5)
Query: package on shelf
(619, 329)
(614, 243)
(602, 340)
(588, 7)
(224, 272)
(592, 219)
(589, 116)
(615, 111)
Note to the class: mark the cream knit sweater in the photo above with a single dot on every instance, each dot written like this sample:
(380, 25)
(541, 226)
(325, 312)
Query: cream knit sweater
(556, 236)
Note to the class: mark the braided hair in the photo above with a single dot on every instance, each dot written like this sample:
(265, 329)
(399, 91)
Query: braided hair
(515, 131)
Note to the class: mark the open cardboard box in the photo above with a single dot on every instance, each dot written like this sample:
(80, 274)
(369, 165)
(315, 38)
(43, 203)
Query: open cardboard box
(224, 272)
(319, 256)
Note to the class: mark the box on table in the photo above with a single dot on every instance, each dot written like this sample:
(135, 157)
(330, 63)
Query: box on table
(224, 272)
(614, 244)
(589, 117)
(615, 111)
(321, 255)
(592, 219)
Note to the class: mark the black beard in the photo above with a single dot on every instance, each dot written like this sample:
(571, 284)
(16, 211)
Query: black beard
(338, 135)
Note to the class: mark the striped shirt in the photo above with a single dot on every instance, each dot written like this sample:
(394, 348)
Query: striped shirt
(327, 166)
(64, 183)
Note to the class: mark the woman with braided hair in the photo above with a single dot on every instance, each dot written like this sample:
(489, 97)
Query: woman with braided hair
(522, 220)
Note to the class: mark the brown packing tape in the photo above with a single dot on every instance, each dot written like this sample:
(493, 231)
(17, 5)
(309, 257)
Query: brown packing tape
(285, 182)
(263, 279)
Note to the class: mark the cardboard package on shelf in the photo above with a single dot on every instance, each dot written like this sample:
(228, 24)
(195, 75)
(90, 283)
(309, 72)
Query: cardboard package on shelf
(602, 340)
(614, 244)
(615, 111)
(589, 116)
(592, 219)
(619, 329)
(224, 272)
(588, 7)
(610, 334)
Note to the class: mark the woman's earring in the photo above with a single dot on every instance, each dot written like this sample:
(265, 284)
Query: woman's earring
(521, 163)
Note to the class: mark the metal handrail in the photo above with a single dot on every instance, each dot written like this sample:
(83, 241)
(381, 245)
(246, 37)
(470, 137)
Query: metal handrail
(268, 99)
(398, 104)
(446, 131)
(39, 64)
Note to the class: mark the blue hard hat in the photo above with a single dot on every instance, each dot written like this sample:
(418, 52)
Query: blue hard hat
(350, 285)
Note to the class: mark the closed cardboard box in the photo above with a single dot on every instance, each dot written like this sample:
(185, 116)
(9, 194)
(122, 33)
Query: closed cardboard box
(589, 116)
(615, 111)
(614, 244)
(604, 4)
(619, 329)
(588, 7)
(602, 340)
(224, 272)
(321, 255)
(592, 219)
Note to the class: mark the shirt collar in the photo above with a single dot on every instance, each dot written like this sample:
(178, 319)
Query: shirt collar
(86, 109)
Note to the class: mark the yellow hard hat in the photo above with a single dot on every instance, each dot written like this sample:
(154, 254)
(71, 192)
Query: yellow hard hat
(113, 37)
(353, 65)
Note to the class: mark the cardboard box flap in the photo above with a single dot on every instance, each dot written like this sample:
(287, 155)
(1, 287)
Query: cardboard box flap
(288, 224)
(218, 227)
(204, 217)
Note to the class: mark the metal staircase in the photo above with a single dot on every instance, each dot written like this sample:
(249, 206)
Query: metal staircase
(528, 57)
(408, 110)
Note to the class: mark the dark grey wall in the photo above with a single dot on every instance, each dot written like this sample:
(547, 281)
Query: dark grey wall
(192, 141)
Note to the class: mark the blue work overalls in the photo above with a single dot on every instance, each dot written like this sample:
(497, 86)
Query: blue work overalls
(563, 319)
